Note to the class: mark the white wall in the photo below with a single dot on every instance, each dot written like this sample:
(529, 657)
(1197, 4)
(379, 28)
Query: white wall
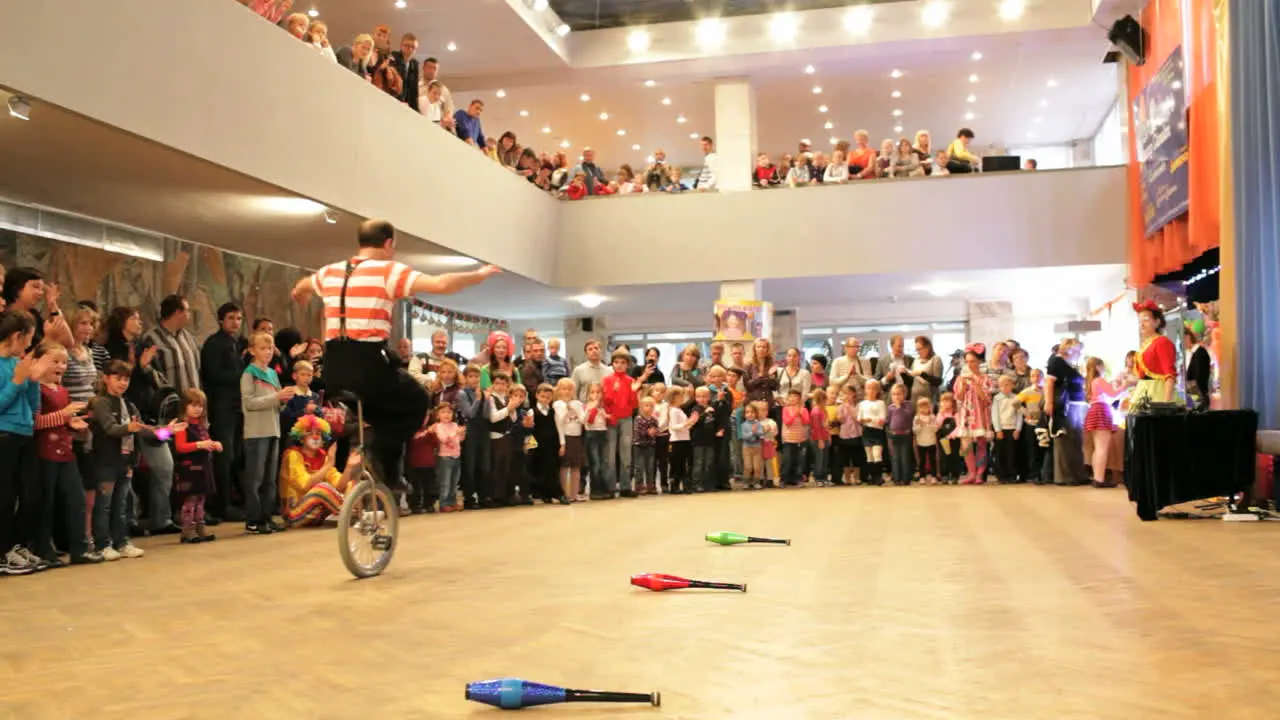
(1071, 217)
(272, 108)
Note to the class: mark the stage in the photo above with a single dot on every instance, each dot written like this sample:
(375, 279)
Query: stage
(892, 603)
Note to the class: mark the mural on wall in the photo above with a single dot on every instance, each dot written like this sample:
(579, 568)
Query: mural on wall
(207, 276)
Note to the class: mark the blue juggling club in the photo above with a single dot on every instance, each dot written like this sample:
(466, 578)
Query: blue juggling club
(514, 694)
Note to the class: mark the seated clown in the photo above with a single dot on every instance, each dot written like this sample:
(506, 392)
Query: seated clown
(311, 488)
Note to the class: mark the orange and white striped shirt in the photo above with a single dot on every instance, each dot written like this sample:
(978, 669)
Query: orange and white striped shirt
(375, 287)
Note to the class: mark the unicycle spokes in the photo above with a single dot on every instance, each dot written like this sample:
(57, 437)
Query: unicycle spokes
(367, 528)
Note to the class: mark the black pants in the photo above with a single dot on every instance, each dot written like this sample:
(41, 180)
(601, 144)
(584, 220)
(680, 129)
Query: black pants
(927, 460)
(849, 455)
(681, 457)
(422, 488)
(1030, 454)
(723, 468)
(544, 463)
(504, 471)
(950, 462)
(394, 403)
(1006, 455)
(19, 484)
(661, 458)
(226, 427)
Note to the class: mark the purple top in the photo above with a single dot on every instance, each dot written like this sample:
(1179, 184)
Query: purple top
(900, 419)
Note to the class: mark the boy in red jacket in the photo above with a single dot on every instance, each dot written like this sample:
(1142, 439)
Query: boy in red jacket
(620, 402)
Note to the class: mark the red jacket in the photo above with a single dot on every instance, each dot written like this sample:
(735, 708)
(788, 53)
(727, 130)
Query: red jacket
(619, 399)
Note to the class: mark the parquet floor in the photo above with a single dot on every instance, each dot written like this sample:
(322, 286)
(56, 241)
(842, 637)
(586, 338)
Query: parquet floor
(897, 603)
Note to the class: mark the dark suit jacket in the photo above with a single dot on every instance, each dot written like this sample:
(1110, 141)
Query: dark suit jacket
(882, 366)
(1199, 371)
(409, 73)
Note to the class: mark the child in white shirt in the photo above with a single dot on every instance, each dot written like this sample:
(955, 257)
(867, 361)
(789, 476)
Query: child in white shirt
(681, 451)
(873, 415)
(925, 428)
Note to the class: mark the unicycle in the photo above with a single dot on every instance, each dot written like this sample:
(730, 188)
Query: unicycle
(369, 521)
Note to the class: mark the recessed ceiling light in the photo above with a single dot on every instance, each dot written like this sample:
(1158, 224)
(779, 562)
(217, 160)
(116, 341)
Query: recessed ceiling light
(1044, 103)
(649, 159)
(635, 147)
(858, 19)
(621, 133)
(977, 55)
(784, 26)
(540, 5)
(971, 98)
(666, 101)
(817, 89)
(935, 13)
(546, 130)
(835, 140)
(1052, 83)
(638, 41)
(565, 143)
(1012, 9)
(973, 78)
(650, 83)
(969, 115)
(897, 128)
(562, 29)
(709, 33)
(895, 94)
(828, 125)
(693, 136)
(682, 119)
(584, 97)
(604, 116)
(313, 12)
(401, 4)
(451, 47)
(524, 113)
(822, 108)
(589, 300)
(501, 93)
(809, 69)
(897, 113)
(895, 74)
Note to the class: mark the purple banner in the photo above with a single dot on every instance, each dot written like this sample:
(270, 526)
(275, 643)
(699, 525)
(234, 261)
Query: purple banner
(1160, 118)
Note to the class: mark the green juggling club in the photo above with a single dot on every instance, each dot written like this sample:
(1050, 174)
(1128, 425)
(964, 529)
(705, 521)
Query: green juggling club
(729, 538)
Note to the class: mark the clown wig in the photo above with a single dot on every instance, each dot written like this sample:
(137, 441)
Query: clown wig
(309, 425)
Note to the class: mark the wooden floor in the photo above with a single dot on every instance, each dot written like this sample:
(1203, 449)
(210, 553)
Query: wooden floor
(943, 602)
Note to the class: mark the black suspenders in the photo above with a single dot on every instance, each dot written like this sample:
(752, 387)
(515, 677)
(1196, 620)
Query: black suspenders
(342, 303)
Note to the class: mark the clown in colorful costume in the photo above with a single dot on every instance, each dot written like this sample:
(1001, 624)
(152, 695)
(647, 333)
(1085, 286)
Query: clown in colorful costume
(311, 488)
(1157, 360)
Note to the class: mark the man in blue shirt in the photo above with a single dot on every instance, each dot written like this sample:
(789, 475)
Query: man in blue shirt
(468, 126)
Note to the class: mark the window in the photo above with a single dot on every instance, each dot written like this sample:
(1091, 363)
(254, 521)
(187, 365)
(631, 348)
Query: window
(464, 345)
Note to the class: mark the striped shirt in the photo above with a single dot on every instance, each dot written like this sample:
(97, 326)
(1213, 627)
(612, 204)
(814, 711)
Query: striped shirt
(80, 375)
(177, 357)
(375, 287)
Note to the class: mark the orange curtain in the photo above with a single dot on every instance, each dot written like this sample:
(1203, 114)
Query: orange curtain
(1188, 236)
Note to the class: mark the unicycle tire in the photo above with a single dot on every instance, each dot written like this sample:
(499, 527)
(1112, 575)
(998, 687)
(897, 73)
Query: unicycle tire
(368, 542)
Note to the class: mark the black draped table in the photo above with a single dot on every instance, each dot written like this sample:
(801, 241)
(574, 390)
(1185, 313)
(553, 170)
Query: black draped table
(1172, 459)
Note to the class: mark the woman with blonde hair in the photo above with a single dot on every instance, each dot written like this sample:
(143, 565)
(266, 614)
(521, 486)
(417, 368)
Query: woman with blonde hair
(358, 56)
(688, 373)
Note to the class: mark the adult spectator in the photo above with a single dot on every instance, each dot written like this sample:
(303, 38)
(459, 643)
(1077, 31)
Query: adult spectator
(357, 56)
(560, 175)
(926, 371)
(592, 371)
(508, 149)
(960, 160)
(96, 348)
(715, 358)
(896, 368)
(296, 24)
(24, 289)
(317, 36)
(381, 44)
(923, 151)
(428, 74)
(651, 356)
(707, 178)
(177, 357)
(467, 124)
(1031, 165)
(272, 10)
(851, 369)
(404, 64)
(433, 106)
(1199, 370)
(221, 365)
(655, 176)
(594, 175)
(535, 353)
(1064, 403)
(384, 74)
(440, 352)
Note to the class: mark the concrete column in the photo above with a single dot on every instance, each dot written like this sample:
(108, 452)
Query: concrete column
(735, 134)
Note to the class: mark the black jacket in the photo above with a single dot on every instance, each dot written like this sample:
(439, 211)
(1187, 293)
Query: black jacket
(221, 366)
(408, 73)
(1199, 372)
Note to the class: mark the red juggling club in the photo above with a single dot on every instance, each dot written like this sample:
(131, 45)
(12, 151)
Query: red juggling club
(658, 582)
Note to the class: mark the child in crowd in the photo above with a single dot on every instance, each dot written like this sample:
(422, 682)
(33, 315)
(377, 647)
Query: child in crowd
(596, 434)
(420, 466)
(502, 411)
(448, 457)
(899, 426)
(769, 444)
(795, 434)
(644, 435)
(950, 462)
(1030, 454)
(850, 457)
(819, 436)
(116, 426)
(20, 376)
(1006, 422)
(570, 416)
(925, 428)
(873, 416)
(474, 415)
(193, 465)
(554, 367)
(304, 401)
(57, 423)
(261, 399)
(751, 434)
(739, 395)
(661, 442)
(705, 433)
(722, 402)
(681, 450)
(447, 389)
(545, 458)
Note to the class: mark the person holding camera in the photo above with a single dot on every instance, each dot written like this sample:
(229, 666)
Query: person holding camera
(650, 367)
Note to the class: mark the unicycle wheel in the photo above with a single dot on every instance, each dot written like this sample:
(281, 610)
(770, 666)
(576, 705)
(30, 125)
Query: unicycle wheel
(367, 528)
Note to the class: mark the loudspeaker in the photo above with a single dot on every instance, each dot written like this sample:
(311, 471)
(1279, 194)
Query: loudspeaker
(1129, 37)
(588, 324)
